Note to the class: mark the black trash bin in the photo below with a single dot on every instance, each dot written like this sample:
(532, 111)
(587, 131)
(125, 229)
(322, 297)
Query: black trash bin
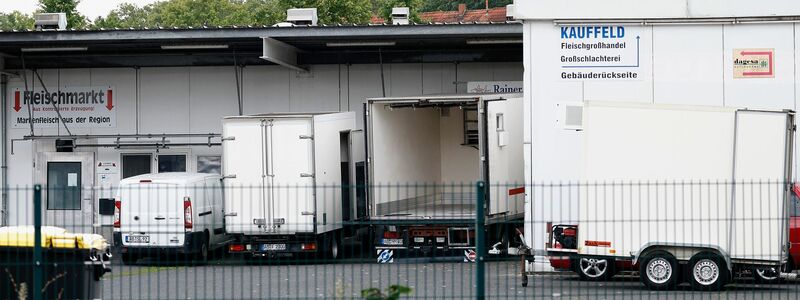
(67, 272)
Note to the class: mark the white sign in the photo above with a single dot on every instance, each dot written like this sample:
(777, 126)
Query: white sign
(78, 107)
(600, 53)
(494, 87)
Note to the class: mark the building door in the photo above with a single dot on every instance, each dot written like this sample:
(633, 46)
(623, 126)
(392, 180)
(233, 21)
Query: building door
(67, 181)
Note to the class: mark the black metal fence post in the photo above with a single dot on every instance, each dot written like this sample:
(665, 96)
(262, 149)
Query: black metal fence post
(480, 242)
(37, 242)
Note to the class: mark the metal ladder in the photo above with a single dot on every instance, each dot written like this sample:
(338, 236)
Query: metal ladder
(470, 121)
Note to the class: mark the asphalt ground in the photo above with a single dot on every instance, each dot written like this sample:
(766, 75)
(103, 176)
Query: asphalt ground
(303, 279)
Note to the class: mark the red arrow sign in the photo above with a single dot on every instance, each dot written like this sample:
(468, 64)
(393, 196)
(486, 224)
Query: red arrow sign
(110, 102)
(16, 101)
(769, 57)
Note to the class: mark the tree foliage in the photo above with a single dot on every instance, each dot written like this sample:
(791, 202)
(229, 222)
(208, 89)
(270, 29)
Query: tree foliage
(15, 21)
(196, 13)
(70, 7)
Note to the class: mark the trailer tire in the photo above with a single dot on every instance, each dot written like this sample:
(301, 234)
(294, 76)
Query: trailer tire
(707, 272)
(659, 270)
(594, 269)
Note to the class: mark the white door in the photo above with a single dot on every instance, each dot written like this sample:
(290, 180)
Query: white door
(290, 170)
(67, 180)
(762, 153)
(244, 165)
(503, 147)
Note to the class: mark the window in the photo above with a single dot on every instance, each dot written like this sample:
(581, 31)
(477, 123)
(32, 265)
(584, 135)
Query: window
(136, 164)
(209, 164)
(171, 163)
(64, 185)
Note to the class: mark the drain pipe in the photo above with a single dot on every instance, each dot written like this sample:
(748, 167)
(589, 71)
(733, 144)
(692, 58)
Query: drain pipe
(4, 162)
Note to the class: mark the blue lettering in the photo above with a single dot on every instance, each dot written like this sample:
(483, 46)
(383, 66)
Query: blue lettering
(592, 32)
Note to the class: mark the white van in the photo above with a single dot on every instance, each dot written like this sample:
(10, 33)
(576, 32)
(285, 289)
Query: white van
(169, 213)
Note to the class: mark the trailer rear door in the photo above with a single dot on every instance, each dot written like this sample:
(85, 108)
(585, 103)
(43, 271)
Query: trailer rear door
(762, 175)
(503, 146)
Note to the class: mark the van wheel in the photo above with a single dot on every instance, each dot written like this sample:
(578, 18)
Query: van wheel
(708, 272)
(201, 258)
(129, 259)
(659, 270)
(594, 269)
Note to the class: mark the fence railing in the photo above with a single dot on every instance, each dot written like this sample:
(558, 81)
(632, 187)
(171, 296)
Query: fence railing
(178, 239)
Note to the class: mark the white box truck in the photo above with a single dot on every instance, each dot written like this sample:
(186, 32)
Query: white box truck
(676, 188)
(425, 155)
(284, 176)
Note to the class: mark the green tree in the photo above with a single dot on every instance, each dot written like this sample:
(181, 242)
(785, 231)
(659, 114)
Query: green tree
(15, 21)
(194, 13)
(74, 19)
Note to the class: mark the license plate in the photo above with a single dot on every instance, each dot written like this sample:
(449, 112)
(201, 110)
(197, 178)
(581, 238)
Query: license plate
(273, 247)
(393, 242)
(134, 239)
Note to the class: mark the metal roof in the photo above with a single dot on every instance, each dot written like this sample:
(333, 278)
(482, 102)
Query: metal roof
(142, 47)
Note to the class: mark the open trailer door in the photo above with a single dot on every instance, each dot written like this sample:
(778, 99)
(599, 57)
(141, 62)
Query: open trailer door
(503, 168)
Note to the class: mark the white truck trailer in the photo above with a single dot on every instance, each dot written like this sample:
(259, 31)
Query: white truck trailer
(424, 157)
(290, 182)
(699, 189)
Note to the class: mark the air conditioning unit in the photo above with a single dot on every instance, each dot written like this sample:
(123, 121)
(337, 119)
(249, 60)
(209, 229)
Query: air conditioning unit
(302, 16)
(50, 21)
(400, 15)
(510, 12)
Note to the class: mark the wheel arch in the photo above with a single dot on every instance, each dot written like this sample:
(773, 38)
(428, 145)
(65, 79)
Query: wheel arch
(683, 252)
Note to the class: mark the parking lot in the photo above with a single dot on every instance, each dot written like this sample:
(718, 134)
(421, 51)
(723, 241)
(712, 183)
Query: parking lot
(453, 280)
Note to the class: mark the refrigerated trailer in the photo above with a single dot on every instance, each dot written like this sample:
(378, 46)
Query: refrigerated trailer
(424, 157)
(290, 182)
(676, 188)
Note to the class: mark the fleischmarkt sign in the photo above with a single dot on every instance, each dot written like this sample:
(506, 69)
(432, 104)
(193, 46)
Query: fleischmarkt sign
(600, 53)
(79, 107)
(753, 63)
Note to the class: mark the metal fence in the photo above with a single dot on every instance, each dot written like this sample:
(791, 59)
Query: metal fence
(183, 239)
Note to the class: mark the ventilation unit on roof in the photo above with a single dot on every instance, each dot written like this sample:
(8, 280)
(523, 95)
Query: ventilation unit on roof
(50, 21)
(510, 12)
(400, 15)
(302, 16)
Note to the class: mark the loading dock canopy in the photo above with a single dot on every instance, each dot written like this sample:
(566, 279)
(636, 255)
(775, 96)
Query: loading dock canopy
(219, 46)
(440, 100)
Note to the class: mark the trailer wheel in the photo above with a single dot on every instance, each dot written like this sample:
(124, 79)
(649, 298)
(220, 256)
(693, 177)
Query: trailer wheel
(594, 269)
(772, 275)
(659, 270)
(708, 272)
